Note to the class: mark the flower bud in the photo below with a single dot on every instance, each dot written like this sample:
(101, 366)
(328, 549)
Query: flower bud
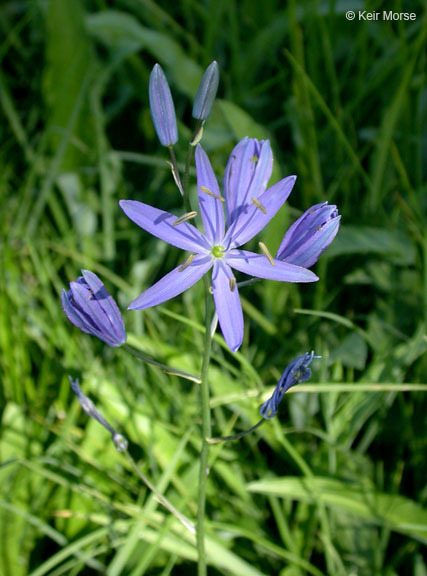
(162, 108)
(91, 308)
(308, 237)
(206, 92)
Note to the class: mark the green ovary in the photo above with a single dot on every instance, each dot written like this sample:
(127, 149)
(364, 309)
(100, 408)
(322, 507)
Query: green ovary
(218, 251)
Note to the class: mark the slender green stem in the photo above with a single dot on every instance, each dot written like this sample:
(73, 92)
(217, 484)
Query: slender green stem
(187, 178)
(237, 436)
(206, 433)
(164, 367)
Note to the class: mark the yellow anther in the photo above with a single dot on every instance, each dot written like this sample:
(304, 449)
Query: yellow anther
(266, 252)
(210, 193)
(232, 282)
(259, 205)
(186, 263)
(185, 217)
(254, 159)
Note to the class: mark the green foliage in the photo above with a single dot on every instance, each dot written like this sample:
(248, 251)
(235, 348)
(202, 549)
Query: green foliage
(335, 484)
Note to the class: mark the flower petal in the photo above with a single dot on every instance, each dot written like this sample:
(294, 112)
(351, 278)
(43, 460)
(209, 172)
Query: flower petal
(252, 219)
(309, 235)
(308, 253)
(246, 175)
(174, 283)
(160, 224)
(211, 208)
(228, 307)
(101, 295)
(83, 320)
(259, 266)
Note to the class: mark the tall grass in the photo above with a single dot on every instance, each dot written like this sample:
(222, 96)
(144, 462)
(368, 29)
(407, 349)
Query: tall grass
(335, 485)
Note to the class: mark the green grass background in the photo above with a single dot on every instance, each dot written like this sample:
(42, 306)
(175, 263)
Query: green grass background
(335, 485)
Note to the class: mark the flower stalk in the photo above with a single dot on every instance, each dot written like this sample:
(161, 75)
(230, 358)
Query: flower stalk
(206, 433)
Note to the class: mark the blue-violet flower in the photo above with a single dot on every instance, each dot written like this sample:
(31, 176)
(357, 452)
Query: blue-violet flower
(162, 108)
(295, 372)
(308, 237)
(249, 207)
(91, 308)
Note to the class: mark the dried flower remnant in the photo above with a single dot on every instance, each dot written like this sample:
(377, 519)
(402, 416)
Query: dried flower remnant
(89, 407)
(295, 372)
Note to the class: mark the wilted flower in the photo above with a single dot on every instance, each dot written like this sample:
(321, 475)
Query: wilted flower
(308, 237)
(91, 410)
(295, 372)
(249, 207)
(162, 108)
(91, 308)
(206, 92)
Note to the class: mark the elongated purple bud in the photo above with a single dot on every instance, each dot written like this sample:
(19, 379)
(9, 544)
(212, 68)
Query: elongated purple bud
(206, 92)
(162, 108)
(310, 235)
(91, 308)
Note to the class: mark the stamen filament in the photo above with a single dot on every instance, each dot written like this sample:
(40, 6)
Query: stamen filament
(266, 252)
(210, 193)
(186, 263)
(259, 205)
(232, 283)
(185, 217)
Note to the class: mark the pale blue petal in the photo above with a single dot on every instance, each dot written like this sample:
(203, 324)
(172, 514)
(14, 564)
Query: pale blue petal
(174, 283)
(160, 224)
(101, 295)
(228, 307)
(308, 253)
(258, 265)
(211, 209)
(252, 220)
(246, 175)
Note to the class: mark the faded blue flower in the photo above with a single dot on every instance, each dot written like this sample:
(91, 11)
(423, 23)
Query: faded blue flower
(91, 308)
(206, 92)
(249, 207)
(91, 410)
(295, 372)
(162, 108)
(308, 237)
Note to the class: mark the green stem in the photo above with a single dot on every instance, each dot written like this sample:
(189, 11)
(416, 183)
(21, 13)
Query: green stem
(167, 369)
(206, 433)
(187, 178)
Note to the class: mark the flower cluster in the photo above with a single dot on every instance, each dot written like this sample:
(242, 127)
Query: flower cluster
(230, 219)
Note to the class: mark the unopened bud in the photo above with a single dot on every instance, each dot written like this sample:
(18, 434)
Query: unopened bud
(206, 92)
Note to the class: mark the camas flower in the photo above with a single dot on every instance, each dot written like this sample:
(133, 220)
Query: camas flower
(91, 308)
(308, 237)
(249, 207)
(295, 372)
